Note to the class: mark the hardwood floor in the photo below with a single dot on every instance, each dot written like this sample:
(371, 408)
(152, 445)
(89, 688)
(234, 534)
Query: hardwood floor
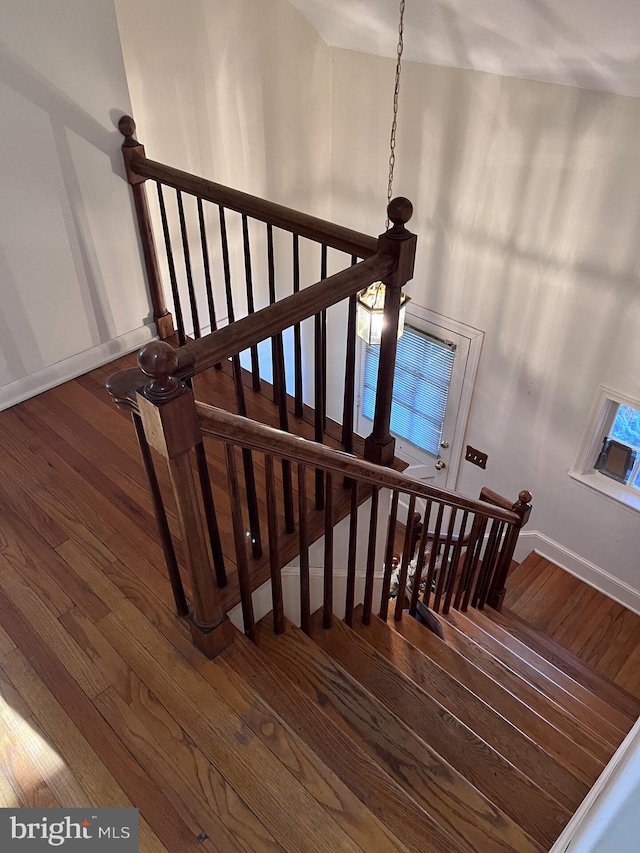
(104, 700)
(596, 629)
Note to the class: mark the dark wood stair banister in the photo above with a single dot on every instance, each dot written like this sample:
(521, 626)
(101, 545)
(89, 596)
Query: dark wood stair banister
(397, 244)
(140, 168)
(217, 423)
(197, 356)
(174, 424)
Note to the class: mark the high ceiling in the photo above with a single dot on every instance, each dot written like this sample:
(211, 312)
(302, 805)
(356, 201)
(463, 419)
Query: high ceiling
(594, 44)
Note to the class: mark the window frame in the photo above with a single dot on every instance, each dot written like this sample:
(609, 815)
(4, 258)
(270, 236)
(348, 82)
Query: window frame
(601, 418)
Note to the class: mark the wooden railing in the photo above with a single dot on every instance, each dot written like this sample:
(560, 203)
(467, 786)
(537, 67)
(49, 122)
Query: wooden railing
(468, 551)
(389, 258)
(464, 554)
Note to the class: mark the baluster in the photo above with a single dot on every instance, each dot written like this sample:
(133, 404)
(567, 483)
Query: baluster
(177, 305)
(455, 562)
(242, 564)
(274, 549)
(351, 559)
(248, 274)
(497, 592)
(280, 390)
(187, 267)
(349, 374)
(323, 323)
(420, 559)
(388, 558)
(297, 335)
(409, 543)
(213, 323)
(303, 539)
(401, 244)
(131, 148)
(318, 403)
(479, 527)
(327, 609)
(210, 515)
(487, 561)
(168, 413)
(277, 348)
(371, 557)
(443, 571)
(252, 502)
(161, 518)
(489, 577)
(433, 557)
(241, 403)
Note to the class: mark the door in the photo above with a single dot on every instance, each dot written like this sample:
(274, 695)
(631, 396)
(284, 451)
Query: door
(435, 371)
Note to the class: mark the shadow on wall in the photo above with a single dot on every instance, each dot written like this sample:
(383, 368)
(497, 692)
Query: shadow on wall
(65, 243)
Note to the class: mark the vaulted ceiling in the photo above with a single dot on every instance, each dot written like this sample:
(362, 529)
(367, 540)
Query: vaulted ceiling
(594, 44)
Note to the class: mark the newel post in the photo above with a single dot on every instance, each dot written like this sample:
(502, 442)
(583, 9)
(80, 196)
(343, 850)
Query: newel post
(401, 244)
(522, 507)
(130, 149)
(167, 410)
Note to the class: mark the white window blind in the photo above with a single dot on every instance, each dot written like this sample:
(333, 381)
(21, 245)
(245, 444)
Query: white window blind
(421, 385)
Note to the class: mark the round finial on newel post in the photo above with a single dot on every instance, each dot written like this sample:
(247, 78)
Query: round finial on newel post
(127, 128)
(159, 361)
(523, 506)
(399, 211)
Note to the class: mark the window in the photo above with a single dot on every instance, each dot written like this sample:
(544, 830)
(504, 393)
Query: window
(424, 366)
(609, 458)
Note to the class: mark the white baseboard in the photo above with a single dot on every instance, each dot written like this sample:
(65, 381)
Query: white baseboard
(600, 579)
(74, 365)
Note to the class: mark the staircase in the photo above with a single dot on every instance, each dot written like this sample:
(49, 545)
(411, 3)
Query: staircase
(415, 743)
(377, 735)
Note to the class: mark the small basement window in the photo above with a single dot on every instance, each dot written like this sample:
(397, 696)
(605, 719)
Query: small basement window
(609, 458)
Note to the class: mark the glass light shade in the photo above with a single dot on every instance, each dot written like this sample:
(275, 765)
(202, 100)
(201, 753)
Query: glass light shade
(370, 313)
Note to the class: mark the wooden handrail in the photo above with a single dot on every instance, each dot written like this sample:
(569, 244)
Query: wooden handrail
(311, 227)
(216, 423)
(199, 355)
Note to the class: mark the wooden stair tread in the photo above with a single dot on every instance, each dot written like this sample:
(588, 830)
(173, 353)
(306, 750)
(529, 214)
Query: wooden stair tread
(619, 722)
(575, 728)
(568, 662)
(578, 761)
(459, 808)
(487, 722)
(519, 797)
(381, 794)
(571, 697)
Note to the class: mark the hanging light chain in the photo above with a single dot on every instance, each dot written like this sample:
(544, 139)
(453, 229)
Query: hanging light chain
(396, 93)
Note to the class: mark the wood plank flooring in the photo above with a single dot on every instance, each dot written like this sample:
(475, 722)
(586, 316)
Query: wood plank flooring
(103, 698)
(596, 629)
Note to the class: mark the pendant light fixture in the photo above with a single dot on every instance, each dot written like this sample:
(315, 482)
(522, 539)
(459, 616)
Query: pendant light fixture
(370, 301)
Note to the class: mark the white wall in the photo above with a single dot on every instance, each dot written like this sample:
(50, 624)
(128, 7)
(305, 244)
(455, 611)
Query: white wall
(236, 92)
(525, 200)
(72, 291)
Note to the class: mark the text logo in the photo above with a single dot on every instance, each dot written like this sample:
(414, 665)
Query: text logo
(72, 830)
